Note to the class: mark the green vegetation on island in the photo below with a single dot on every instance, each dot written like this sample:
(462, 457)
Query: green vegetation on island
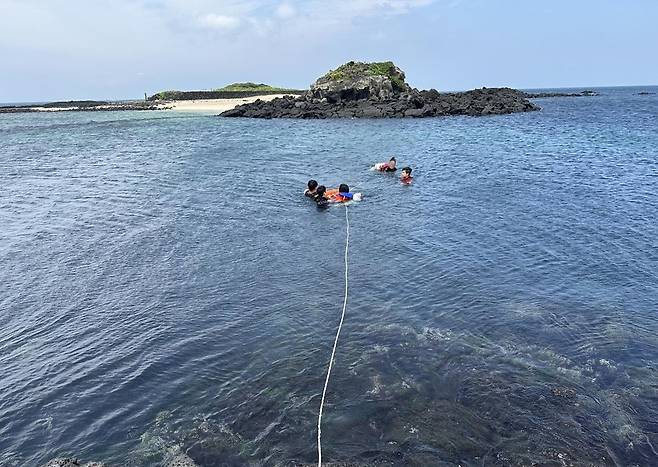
(231, 91)
(165, 95)
(253, 87)
(352, 69)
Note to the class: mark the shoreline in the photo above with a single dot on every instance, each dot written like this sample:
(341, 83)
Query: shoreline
(202, 106)
(214, 106)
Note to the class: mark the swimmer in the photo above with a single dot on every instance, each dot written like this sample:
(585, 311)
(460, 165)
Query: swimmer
(389, 166)
(311, 190)
(344, 192)
(320, 198)
(405, 176)
(344, 195)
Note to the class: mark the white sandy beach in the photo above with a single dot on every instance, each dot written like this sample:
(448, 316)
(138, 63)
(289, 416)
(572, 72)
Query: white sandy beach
(214, 105)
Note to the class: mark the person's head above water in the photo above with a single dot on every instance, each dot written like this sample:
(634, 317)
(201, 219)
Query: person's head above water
(392, 163)
(405, 176)
(312, 185)
(320, 198)
(343, 188)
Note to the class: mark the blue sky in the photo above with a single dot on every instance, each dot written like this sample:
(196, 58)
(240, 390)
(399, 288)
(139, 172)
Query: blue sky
(105, 49)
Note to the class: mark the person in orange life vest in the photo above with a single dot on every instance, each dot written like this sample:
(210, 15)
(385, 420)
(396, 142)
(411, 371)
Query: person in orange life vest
(405, 176)
(389, 166)
(344, 195)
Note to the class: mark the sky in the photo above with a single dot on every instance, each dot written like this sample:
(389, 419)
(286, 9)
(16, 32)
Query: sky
(121, 49)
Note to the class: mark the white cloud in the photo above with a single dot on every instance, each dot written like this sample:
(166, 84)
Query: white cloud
(258, 16)
(220, 22)
(286, 10)
(351, 9)
(227, 15)
(80, 55)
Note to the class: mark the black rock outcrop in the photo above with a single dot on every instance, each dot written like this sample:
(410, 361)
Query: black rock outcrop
(379, 90)
(82, 106)
(201, 95)
(537, 95)
(415, 103)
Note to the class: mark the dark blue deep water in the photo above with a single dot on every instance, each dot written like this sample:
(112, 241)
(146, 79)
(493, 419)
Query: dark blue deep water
(165, 288)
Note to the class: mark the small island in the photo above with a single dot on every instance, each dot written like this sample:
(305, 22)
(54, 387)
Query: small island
(214, 101)
(380, 90)
(353, 90)
(81, 106)
(231, 91)
(538, 95)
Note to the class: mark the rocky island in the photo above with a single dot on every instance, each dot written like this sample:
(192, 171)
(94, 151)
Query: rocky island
(215, 101)
(231, 91)
(80, 106)
(539, 95)
(380, 90)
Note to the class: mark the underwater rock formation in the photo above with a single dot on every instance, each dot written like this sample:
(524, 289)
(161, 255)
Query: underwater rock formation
(72, 462)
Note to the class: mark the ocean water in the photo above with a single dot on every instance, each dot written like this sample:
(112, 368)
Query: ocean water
(165, 288)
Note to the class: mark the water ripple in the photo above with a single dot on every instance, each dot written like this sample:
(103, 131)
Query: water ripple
(166, 288)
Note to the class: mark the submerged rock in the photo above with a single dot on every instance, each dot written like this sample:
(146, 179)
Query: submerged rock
(536, 95)
(181, 460)
(379, 90)
(564, 393)
(72, 462)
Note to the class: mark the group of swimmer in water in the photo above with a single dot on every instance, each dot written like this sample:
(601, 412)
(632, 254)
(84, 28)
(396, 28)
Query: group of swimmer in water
(324, 197)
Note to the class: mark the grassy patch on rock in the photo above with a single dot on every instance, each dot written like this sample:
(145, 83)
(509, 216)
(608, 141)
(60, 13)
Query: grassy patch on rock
(167, 95)
(252, 87)
(354, 69)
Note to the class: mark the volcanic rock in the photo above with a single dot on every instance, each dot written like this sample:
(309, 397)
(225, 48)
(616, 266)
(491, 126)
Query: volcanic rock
(379, 90)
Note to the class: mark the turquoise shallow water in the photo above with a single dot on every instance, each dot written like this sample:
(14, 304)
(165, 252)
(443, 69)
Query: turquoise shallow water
(166, 288)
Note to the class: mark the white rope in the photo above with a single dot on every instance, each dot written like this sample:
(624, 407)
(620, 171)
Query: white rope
(333, 352)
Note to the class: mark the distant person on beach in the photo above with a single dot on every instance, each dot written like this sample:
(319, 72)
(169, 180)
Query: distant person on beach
(312, 189)
(405, 176)
(389, 166)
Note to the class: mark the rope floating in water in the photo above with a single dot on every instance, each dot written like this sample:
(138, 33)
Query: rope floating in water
(333, 352)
